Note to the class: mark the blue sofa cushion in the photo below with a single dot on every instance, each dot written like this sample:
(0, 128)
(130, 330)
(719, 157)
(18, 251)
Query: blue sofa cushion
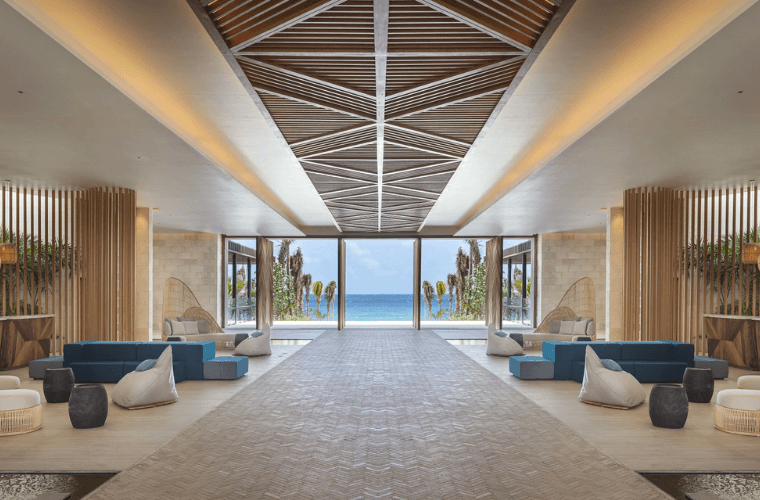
(647, 351)
(74, 352)
(683, 352)
(579, 367)
(192, 353)
(109, 351)
(98, 371)
(659, 371)
(563, 354)
(178, 367)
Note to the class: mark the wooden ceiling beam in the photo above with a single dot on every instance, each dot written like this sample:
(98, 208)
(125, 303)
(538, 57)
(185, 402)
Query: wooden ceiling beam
(421, 176)
(252, 32)
(335, 150)
(381, 17)
(337, 176)
(512, 61)
(448, 102)
(343, 169)
(313, 102)
(487, 24)
(437, 137)
(306, 77)
(332, 135)
(432, 51)
(424, 150)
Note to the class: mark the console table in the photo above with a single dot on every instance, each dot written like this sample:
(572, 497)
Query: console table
(24, 339)
(734, 338)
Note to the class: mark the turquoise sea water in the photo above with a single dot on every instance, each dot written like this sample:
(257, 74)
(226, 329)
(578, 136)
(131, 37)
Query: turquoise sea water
(378, 307)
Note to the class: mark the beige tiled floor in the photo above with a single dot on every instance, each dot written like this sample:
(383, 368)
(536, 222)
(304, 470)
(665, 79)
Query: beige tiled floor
(378, 414)
(629, 436)
(128, 436)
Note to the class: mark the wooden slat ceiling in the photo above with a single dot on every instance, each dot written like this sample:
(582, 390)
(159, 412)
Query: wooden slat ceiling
(381, 100)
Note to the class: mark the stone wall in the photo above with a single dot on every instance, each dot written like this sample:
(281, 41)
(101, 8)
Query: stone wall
(144, 274)
(566, 258)
(195, 259)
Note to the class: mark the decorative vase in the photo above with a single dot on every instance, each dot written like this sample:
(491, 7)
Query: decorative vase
(699, 384)
(668, 406)
(88, 406)
(57, 384)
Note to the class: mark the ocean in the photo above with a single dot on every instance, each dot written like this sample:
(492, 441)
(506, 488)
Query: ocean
(378, 307)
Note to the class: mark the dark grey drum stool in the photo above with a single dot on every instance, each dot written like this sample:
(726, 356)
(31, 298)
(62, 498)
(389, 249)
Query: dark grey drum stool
(517, 337)
(668, 406)
(57, 384)
(88, 406)
(239, 337)
(699, 384)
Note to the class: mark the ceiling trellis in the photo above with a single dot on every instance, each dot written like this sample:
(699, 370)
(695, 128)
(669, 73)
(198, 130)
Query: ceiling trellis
(381, 100)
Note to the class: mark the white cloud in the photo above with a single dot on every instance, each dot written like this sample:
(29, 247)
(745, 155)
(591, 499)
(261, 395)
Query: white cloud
(354, 247)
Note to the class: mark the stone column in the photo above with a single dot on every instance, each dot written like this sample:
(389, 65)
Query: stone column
(144, 274)
(614, 300)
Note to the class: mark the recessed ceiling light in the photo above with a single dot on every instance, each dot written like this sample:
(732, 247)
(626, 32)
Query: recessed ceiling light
(741, 91)
(20, 91)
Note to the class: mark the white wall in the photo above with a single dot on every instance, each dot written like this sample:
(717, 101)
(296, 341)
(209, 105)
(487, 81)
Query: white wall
(196, 259)
(564, 259)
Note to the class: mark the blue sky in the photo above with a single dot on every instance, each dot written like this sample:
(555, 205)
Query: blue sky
(379, 266)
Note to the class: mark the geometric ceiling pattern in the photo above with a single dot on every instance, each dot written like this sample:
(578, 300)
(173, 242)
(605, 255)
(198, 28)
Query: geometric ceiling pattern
(380, 100)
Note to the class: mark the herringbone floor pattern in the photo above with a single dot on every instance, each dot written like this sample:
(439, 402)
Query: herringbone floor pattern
(393, 414)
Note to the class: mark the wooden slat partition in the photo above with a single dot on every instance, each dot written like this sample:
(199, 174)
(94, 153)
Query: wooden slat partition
(682, 260)
(76, 260)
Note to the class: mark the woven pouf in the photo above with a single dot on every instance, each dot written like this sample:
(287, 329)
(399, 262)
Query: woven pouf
(20, 411)
(738, 411)
(668, 406)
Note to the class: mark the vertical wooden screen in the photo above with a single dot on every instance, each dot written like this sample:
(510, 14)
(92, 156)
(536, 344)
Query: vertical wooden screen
(265, 282)
(494, 254)
(682, 259)
(76, 260)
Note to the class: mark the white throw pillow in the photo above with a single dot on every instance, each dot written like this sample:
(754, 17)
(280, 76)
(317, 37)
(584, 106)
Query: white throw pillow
(149, 387)
(579, 328)
(498, 345)
(178, 327)
(255, 346)
(567, 327)
(191, 327)
(601, 385)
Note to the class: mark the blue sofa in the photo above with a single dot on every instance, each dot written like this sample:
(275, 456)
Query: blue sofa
(108, 362)
(660, 361)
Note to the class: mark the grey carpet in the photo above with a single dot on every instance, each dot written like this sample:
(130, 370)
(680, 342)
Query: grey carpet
(393, 414)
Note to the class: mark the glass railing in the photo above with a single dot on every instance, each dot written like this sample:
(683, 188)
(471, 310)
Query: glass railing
(241, 310)
(517, 310)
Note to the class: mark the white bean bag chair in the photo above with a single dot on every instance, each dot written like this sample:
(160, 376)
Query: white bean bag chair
(258, 344)
(149, 387)
(8, 382)
(609, 387)
(499, 344)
